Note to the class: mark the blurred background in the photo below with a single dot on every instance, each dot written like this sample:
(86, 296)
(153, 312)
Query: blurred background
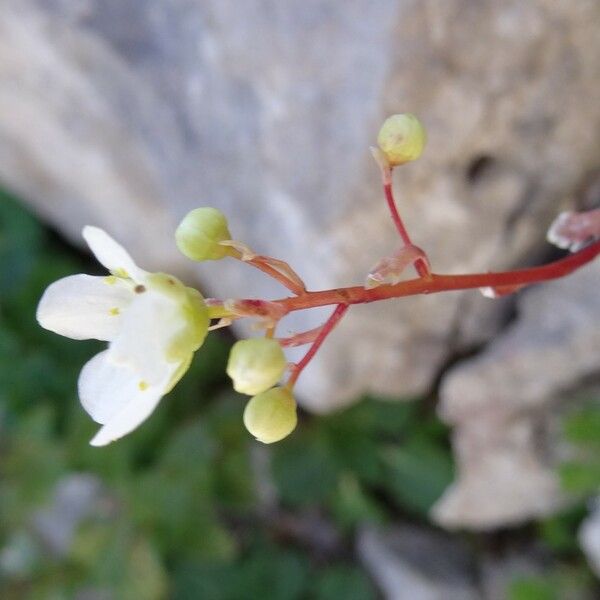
(448, 445)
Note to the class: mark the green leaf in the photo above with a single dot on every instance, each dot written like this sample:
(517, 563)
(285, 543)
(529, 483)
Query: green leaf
(351, 505)
(20, 241)
(352, 443)
(583, 427)
(272, 573)
(146, 577)
(559, 532)
(304, 470)
(266, 571)
(339, 582)
(418, 473)
(214, 581)
(115, 558)
(580, 478)
(394, 418)
(532, 588)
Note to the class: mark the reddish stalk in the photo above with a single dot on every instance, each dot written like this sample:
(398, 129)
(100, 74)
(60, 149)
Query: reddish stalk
(327, 328)
(300, 339)
(275, 274)
(389, 197)
(443, 283)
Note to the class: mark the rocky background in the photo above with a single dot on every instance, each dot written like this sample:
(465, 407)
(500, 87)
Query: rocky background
(127, 114)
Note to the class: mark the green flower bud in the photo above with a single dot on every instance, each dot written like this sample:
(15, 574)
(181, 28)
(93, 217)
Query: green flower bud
(255, 365)
(200, 232)
(402, 139)
(271, 416)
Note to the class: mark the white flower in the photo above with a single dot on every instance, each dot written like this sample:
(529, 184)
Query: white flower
(153, 324)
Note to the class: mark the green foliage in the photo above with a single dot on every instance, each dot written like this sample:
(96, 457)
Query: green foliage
(283, 574)
(342, 582)
(569, 576)
(20, 243)
(532, 588)
(419, 471)
(583, 426)
(562, 582)
(580, 478)
(392, 448)
(268, 571)
(581, 473)
(559, 532)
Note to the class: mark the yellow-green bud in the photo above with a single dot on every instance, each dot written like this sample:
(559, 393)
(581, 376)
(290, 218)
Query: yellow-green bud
(401, 138)
(200, 232)
(271, 416)
(255, 365)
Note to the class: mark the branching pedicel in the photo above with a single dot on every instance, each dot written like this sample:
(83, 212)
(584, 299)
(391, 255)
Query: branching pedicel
(154, 323)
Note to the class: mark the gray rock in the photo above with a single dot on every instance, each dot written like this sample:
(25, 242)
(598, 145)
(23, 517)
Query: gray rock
(589, 537)
(76, 497)
(127, 114)
(19, 555)
(408, 563)
(504, 405)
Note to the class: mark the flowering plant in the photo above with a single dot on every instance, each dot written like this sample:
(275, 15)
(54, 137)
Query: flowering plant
(154, 323)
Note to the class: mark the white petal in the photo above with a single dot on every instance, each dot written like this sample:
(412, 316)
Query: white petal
(102, 386)
(111, 254)
(116, 397)
(83, 307)
(147, 330)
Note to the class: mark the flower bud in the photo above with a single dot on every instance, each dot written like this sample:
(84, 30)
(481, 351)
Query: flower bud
(200, 232)
(271, 416)
(255, 365)
(401, 139)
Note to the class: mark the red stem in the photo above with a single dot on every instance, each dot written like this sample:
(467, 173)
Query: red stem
(275, 274)
(300, 339)
(422, 269)
(327, 328)
(443, 283)
(389, 196)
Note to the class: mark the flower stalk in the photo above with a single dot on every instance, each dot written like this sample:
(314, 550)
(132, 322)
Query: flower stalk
(437, 283)
(326, 329)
